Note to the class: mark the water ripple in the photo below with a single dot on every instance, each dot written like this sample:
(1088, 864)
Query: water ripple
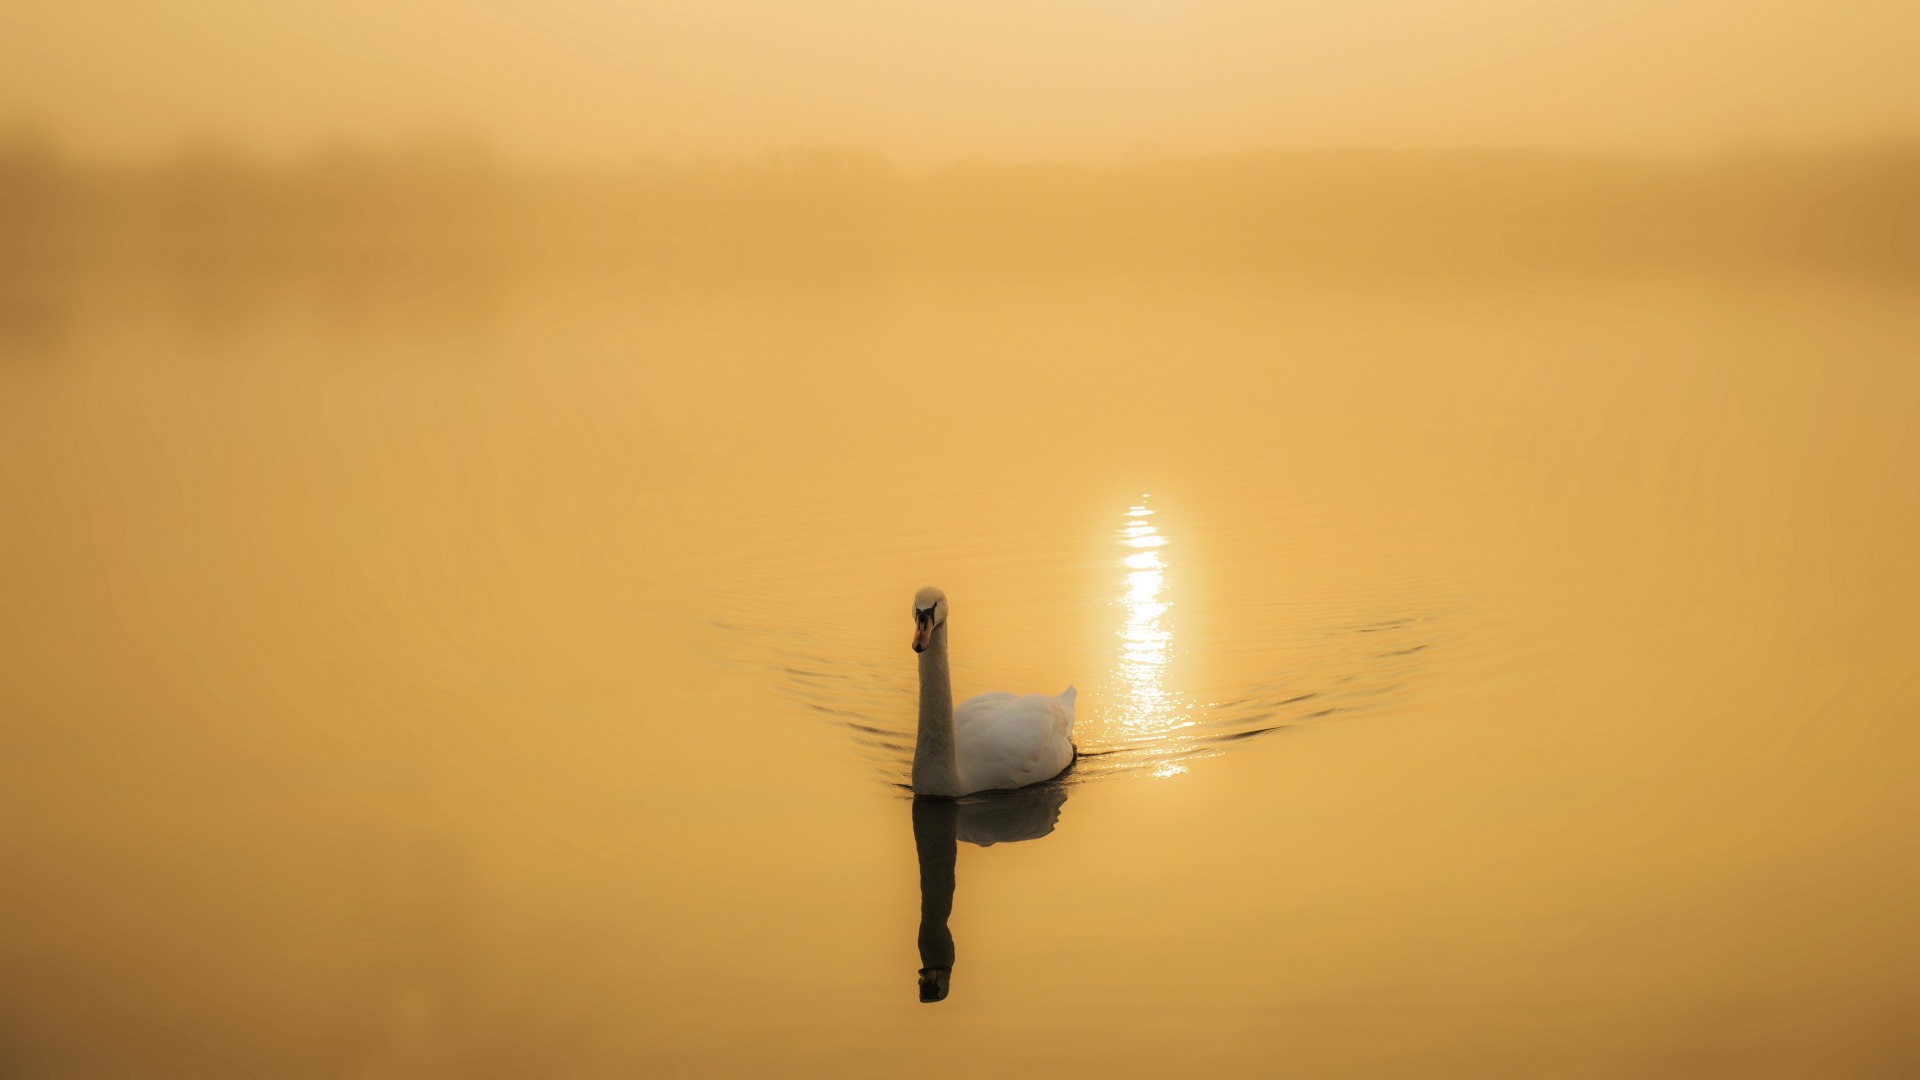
(1142, 718)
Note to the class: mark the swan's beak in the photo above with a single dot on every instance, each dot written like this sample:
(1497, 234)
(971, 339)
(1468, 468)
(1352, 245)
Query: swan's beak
(921, 632)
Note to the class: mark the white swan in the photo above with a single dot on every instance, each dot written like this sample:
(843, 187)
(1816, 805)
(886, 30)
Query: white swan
(992, 741)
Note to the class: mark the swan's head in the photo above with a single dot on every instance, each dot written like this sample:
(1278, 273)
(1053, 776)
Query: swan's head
(929, 613)
(934, 983)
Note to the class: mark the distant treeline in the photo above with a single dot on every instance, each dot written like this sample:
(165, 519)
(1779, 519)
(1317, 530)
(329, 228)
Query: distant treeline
(1855, 207)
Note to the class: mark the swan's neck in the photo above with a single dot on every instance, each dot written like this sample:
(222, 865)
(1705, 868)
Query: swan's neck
(936, 768)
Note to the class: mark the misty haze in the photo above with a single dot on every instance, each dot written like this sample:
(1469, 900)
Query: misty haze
(1442, 475)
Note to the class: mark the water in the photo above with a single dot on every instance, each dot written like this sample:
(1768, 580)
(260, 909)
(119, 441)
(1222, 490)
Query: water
(420, 671)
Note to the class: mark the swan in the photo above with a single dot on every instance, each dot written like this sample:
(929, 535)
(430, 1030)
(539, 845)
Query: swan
(993, 741)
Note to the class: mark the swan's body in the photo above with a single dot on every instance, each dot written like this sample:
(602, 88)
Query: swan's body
(992, 741)
(1008, 741)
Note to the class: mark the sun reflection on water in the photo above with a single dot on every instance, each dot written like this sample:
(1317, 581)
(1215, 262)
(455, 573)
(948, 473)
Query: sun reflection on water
(1146, 642)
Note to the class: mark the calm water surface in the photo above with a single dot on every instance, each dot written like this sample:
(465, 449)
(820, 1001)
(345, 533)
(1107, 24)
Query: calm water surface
(434, 672)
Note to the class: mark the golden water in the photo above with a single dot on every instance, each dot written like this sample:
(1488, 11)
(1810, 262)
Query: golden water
(444, 671)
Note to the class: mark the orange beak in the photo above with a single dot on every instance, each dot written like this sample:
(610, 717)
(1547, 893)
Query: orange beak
(921, 632)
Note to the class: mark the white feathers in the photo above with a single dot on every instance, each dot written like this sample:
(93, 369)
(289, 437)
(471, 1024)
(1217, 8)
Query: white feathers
(1004, 741)
(992, 742)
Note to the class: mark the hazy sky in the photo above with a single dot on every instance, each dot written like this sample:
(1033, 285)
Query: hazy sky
(924, 80)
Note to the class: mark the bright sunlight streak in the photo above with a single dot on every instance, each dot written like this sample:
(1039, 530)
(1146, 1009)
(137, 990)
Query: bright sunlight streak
(1146, 643)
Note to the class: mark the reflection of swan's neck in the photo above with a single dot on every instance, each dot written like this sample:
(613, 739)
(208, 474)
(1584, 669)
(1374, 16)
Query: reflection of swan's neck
(934, 825)
(936, 770)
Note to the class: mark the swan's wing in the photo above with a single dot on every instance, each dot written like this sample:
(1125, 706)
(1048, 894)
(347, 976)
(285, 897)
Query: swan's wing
(1005, 741)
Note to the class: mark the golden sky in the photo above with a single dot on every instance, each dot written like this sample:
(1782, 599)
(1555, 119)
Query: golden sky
(927, 80)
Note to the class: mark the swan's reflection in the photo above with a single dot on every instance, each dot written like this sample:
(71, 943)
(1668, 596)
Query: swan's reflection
(938, 826)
